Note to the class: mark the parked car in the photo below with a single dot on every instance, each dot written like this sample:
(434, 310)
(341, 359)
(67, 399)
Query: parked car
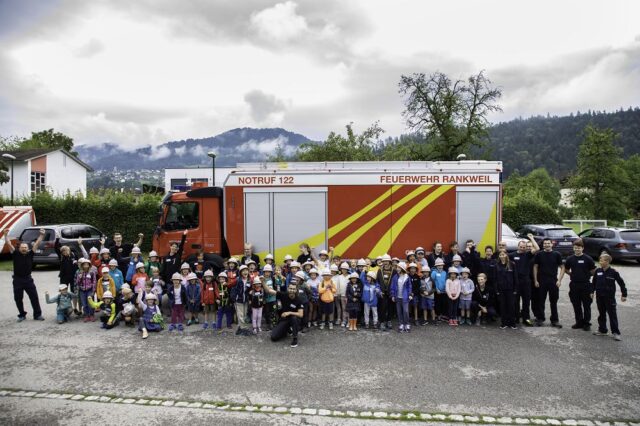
(68, 234)
(619, 243)
(510, 237)
(561, 237)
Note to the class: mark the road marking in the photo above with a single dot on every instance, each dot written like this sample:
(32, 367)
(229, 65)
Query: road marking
(316, 412)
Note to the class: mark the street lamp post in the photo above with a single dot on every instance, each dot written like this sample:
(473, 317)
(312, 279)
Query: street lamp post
(12, 158)
(213, 168)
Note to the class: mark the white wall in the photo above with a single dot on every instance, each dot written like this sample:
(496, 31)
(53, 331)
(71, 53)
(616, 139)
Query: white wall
(21, 177)
(64, 174)
(191, 173)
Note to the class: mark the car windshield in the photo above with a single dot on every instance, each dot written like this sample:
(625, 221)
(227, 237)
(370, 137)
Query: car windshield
(630, 235)
(561, 233)
(506, 231)
(30, 235)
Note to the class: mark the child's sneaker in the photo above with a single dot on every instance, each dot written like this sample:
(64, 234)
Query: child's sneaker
(330, 326)
(450, 322)
(172, 327)
(255, 331)
(205, 326)
(600, 333)
(617, 337)
(259, 330)
(189, 323)
(315, 323)
(180, 327)
(407, 328)
(197, 321)
(322, 326)
(401, 328)
(294, 342)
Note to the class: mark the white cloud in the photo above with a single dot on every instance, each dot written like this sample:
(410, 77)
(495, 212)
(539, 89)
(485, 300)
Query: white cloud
(160, 152)
(268, 146)
(180, 151)
(280, 22)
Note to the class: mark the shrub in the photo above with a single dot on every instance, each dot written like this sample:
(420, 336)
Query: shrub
(522, 211)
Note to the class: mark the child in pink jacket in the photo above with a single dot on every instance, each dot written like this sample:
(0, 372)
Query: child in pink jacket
(453, 291)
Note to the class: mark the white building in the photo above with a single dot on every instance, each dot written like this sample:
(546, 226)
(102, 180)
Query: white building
(186, 176)
(35, 170)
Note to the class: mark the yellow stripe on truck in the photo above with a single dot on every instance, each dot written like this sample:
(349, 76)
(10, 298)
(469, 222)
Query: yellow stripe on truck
(489, 235)
(387, 240)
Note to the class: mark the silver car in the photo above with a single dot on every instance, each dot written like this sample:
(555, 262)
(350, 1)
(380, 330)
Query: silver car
(510, 237)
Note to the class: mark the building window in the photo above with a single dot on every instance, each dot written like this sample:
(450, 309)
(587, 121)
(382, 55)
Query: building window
(38, 182)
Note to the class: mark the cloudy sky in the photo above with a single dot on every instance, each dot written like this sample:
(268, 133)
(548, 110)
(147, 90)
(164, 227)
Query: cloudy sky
(149, 71)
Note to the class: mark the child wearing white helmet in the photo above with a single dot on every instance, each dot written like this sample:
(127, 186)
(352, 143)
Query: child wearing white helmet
(268, 260)
(86, 284)
(151, 318)
(139, 277)
(108, 310)
(453, 292)
(385, 306)
(208, 297)
(105, 283)
(286, 266)
(158, 285)
(354, 294)
(225, 305)
(116, 275)
(456, 262)
(177, 294)
(304, 293)
(134, 261)
(313, 282)
(269, 282)
(128, 304)
(466, 293)
(401, 295)
(63, 301)
(327, 291)
(414, 276)
(256, 300)
(232, 271)
(154, 261)
(240, 295)
(439, 278)
(370, 294)
(342, 281)
(427, 292)
(185, 270)
(194, 303)
(294, 267)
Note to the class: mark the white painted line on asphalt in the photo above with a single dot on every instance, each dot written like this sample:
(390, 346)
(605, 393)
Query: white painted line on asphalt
(309, 411)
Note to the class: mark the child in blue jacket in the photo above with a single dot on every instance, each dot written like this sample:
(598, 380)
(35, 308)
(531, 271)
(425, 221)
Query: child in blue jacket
(193, 298)
(439, 278)
(370, 293)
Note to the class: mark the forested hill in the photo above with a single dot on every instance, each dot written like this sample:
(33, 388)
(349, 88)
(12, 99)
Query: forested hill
(552, 142)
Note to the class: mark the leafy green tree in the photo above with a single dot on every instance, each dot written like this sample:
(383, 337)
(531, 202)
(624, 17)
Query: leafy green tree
(43, 139)
(538, 185)
(353, 147)
(600, 185)
(632, 167)
(451, 114)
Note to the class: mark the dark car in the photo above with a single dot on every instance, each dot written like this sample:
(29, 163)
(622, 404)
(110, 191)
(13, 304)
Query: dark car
(68, 234)
(620, 243)
(561, 237)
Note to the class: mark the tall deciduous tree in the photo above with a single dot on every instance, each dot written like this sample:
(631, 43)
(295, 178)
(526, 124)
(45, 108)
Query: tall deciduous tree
(600, 184)
(451, 114)
(353, 147)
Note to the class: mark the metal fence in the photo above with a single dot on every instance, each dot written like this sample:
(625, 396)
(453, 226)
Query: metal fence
(580, 225)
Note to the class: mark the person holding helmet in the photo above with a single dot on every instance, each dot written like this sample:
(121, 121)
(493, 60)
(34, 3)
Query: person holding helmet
(384, 278)
(108, 310)
(401, 295)
(208, 297)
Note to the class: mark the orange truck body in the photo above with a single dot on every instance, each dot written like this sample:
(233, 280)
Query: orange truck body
(361, 209)
(15, 219)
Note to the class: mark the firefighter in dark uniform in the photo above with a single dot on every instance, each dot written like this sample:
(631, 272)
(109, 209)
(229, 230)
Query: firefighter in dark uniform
(604, 283)
(580, 268)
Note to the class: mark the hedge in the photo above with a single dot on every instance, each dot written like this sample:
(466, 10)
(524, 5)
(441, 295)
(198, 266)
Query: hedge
(109, 211)
(518, 212)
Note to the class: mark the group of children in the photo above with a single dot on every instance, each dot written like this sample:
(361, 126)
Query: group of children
(454, 288)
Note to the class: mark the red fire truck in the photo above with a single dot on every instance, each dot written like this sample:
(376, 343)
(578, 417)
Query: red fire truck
(359, 208)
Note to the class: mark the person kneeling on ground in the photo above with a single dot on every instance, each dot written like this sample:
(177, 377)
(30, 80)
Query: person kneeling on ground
(151, 319)
(290, 315)
(108, 310)
(64, 307)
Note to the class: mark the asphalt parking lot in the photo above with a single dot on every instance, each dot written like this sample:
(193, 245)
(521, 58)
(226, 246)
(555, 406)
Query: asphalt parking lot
(474, 371)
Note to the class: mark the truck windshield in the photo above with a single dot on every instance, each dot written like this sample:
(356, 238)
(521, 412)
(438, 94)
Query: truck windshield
(182, 216)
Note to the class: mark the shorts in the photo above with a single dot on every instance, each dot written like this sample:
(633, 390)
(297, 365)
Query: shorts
(211, 309)
(465, 304)
(326, 308)
(415, 301)
(427, 303)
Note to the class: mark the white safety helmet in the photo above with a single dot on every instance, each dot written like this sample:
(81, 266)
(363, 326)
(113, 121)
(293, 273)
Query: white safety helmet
(94, 250)
(176, 276)
(104, 251)
(361, 262)
(295, 264)
(136, 250)
(324, 253)
(185, 265)
(411, 253)
(313, 271)
(288, 257)
(233, 260)
(372, 275)
(242, 267)
(456, 258)
(268, 257)
(412, 265)
(439, 262)
(104, 270)
(326, 272)
(419, 249)
(222, 275)
(333, 268)
(113, 262)
(465, 269)
(151, 296)
(208, 273)
(402, 266)
(300, 275)
(257, 280)
(452, 270)
(385, 258)
(107, 295)
(267, 268)
(426, 268)
(344, 265)
(83, 260)
(354, 275)
(139, 265)
(152, 253)
(62, 287)
(191, 276)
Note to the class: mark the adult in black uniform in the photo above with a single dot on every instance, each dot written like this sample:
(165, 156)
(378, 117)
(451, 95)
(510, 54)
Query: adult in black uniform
(506, 290)
(580, 268)
(604, 283)
(523, 260)
(291, 312)
(545, 275)
(22, 280)
(171, 263)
